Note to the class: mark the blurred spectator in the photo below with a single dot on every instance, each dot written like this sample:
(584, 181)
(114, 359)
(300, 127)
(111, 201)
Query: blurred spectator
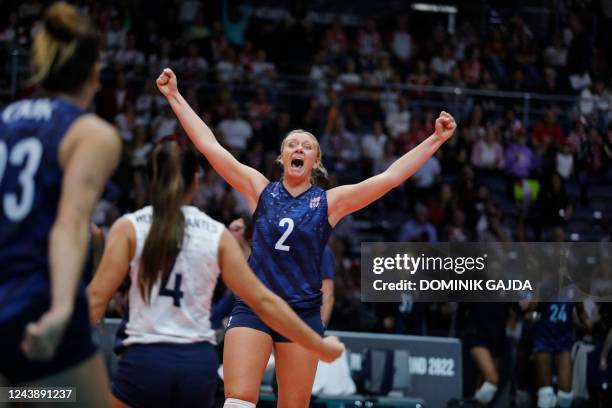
(519, 157)
(349, 79)
(197, 31)
(336, 40)
(114, 99)
(236, 22)
(490, 227)
(399, 121)
(262, 72)
(388, 157)
(127, 122)
(235, 131)
(260, 111)
(420, 77)
(442, 65)
(218, 41)
(193, 67)
(401, 41)
(556, 53)
(164, 124)
(373, 144)
(548, 132)
(471, 67)
(116, 35)
(418, 229)
(342, 148)
(369, 42)
(456, 231)
(552, 207)
(565, 161)
(488, 153)
(441, 207)
(188, 10)
(130, 57)
(228, 69)
(426, 177)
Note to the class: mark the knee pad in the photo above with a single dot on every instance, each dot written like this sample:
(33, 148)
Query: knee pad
(546, 397)
(564, 399)
(236, 403)
(486, 392)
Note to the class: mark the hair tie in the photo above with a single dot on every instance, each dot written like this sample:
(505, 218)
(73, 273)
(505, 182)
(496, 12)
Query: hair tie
(58, 31)
(173, 138)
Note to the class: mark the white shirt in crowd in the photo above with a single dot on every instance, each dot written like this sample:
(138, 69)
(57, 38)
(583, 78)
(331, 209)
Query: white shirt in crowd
(164, 126)
(401, 44)
(236, 132)
(374, 146)
(426, 176)
(398, 122)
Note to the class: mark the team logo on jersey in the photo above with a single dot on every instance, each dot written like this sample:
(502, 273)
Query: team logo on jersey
(314, 202)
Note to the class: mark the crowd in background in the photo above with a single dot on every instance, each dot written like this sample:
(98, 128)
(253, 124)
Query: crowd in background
(364, 89)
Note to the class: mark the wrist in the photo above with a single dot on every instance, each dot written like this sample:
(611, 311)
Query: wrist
(62, 308)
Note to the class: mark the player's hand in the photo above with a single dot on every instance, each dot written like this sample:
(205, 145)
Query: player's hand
(332, 349)
(445, 126)
(167, 83)
(42, 338)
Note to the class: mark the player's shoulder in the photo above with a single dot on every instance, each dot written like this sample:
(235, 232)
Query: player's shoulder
(98, 127)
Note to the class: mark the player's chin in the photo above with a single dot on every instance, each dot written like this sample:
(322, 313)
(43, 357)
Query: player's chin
(296, 173)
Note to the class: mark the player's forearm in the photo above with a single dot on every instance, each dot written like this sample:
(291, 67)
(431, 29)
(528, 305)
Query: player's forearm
(411, 162)
(67, 247)
(199, 133)
(281, 318)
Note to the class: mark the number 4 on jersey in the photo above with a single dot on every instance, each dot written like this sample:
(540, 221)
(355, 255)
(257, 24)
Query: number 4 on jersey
(175, 293)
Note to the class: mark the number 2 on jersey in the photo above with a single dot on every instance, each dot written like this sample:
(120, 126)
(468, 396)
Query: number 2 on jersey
(280, 244)
(28, 151)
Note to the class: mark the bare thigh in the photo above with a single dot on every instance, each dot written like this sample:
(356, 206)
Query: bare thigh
(245, 355)
(295, 372)
(486, 364)
(90, 380)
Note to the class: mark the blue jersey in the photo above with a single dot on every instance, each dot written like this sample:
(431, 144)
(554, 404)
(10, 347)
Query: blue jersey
(31, 131)
(554, 331)
(289, 237)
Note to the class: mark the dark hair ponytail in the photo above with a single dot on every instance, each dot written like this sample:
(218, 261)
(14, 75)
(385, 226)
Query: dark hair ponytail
(171, 171)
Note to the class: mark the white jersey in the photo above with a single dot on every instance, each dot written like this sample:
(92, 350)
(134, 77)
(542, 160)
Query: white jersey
(179, 311)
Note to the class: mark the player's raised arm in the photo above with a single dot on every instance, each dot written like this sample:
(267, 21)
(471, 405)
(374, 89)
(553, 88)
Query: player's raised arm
(113, 268)
(271, 308)
(245, 179)
(89, 154)
(346, 199)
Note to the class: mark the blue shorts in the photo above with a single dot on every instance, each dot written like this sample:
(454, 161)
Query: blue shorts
(243, 316)
(167, 375)
(553, 344)
(76, 346)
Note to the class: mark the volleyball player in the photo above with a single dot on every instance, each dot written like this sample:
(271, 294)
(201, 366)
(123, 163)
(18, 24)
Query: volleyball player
(174, 254)
(553, 338)
(54, 161)
(292, 221)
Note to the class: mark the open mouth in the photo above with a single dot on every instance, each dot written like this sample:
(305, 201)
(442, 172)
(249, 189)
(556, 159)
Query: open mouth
(297, 163)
